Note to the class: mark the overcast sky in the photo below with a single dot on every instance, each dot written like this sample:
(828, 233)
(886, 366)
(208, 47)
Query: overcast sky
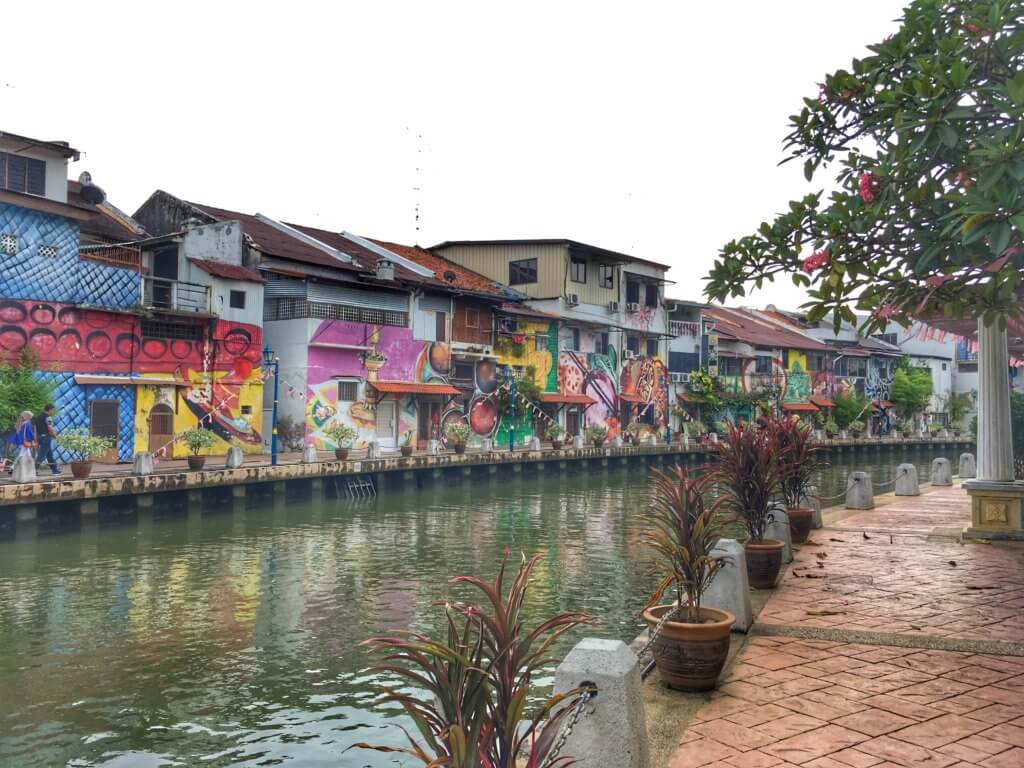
(651, 128)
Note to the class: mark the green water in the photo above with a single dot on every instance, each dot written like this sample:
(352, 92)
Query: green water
(233, 638)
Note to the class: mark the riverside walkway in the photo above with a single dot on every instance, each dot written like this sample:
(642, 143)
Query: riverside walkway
(889, 642)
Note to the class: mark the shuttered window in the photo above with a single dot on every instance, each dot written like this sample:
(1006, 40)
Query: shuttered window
(22, 174)
(441, 334)
(522, 271)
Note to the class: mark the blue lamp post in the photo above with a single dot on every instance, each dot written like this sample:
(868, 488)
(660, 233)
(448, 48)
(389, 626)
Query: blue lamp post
(270, 360)
(507, 370)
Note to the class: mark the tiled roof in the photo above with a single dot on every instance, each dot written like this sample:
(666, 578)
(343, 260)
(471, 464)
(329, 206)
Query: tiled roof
(460, 276)
(413, 388)
(747, 327)
(227, 271)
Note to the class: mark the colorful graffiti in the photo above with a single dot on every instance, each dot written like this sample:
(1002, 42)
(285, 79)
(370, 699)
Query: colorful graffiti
(646, 379)
(592, 375)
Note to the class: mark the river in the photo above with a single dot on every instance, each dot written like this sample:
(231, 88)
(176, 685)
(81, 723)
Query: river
(233, 638)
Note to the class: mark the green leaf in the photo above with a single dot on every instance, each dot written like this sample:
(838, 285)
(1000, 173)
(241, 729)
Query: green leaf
(1000, 238)
(1018, 222)
(948, 135)
(958, 72)
(809, 169)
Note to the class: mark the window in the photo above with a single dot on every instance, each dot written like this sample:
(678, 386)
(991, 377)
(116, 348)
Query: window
(943, 366)
(652, 347)
(542, 342)
(601, 343)
(633, 344)
(293, 309)
(472, 317)
(578, 270)
(888, 338)
(763, 364)
(237, 300)
(463, 372)
(22, 174)
(154, 329)
(246, 410)
(348, 390)
(729, 366)
(522, 271)
(632, 292)
(651, 297)
(575, 338)
(856, 367)
(441, 333)
(606, 276)
(815, 361)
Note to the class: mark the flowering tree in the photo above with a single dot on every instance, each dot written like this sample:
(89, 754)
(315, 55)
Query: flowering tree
(927, 140)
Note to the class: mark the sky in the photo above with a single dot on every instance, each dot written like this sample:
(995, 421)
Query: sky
(650, 128)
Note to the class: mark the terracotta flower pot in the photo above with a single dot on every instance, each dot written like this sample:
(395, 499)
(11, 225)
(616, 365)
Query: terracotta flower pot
(764, 561)
(556, 444)
(406, 450)
(690, 657)
(599, 443)
(195, 463)
(800, 521)
(81, 469)
(460, 448)
(341, 454)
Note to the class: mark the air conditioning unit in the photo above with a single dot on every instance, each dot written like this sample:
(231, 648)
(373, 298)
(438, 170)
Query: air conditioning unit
(572, 299)
(678, 378)
(632, 306)
(613, 306)
(627, 354)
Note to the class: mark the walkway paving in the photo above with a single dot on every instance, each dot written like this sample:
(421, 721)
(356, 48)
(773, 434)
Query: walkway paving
(888, 643)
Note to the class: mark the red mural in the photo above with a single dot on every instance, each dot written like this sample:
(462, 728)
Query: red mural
(77, 339)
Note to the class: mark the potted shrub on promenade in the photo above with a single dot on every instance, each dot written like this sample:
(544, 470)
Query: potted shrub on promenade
(84, 447)
(405, 446)
(468, 692)
(798, 461)
(457, 433)
(597, 435)
(196, 440)
(692, 646)
(343, 436)
(556, 434)
(857, 428)
(748, 470)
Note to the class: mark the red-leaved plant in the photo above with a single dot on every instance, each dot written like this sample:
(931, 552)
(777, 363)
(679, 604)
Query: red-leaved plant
(797, 454)
(470, 711)
(748, 469)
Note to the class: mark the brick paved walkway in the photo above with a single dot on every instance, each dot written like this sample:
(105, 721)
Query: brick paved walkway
(904, 670)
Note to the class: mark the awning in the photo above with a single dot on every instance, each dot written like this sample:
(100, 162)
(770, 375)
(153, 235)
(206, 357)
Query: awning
(152, 381)
(823, 402)
(801, 407)
(566, 399)
(630, 398)
(413, 388)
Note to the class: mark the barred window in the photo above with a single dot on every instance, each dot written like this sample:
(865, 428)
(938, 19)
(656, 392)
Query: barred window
(155, 329)
(291, 309)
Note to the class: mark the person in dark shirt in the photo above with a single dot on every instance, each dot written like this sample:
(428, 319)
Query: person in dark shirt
(47, 436)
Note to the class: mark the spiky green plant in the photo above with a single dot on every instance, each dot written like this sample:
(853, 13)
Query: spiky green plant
(748, 469)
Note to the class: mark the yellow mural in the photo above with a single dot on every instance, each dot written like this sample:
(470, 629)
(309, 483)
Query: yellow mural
(523, 352)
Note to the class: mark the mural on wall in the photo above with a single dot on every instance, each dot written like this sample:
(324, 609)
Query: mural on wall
(592, 375)
(72, 402)
(520, 350)
(647, 379)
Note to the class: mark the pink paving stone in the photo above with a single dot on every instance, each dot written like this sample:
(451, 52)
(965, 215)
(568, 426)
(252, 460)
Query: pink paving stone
(855, 759)
(863, 684)
(813, 744)
(874, 722)
(904, 753)
(755, 758)
(805, 705)
(1006, 733)
(902, 707)
(997, 695)
(720, 707)
(994, 714)
(1012, 758)
(940, 731)
(1012, 684)
(963, 704)
(738, 737)
(757, 714)
(825, 762)
(775, 661)
(973, 675)
(973, 749)
(933, 690)
(789, 725)
(699, 752)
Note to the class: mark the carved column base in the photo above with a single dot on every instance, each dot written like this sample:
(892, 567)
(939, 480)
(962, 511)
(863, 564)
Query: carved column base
(997, 510)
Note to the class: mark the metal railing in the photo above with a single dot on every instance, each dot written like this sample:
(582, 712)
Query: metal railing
(160, 293)
(684, 328)
(127, 255)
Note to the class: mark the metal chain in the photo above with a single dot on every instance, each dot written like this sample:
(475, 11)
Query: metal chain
(654, 634)
(570, 723)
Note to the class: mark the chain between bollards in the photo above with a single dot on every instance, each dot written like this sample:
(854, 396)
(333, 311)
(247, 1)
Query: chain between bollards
(646, 669)
(570, 723)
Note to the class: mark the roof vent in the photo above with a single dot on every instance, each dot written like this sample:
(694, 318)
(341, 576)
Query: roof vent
(385, 270)
(90, 192)
(449, 276)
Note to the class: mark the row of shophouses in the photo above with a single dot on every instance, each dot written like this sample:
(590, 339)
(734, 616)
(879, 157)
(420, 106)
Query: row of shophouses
(151, 323)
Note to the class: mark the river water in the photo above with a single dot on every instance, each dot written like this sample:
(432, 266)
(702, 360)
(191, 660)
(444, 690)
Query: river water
(233, 638)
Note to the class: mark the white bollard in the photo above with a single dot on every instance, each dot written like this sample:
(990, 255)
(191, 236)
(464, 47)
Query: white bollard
(234, 459)
(860, 493)
(778, 529)
(968, 466)
(143, 463)
(612, 730)
(730, 588)
(577, 442)
(309, 455)
(811, 500)
(617, 441)
(433, 447)
(906, 480)
(942, 473)
(373, 450)
(534, 443)
(652, 440)
(24, 470)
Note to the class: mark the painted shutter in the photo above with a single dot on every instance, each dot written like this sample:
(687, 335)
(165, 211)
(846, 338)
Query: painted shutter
(282, 287)
(434, 303)
(36, 184)
(358, 297)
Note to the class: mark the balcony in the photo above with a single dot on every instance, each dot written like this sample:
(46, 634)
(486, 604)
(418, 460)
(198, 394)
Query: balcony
(159, 293)
(125, 255)
(684, 328)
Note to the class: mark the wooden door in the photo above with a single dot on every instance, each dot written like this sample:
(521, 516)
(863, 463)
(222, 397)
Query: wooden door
(572, 422)
(161, 427)
(387, 423)
(103, 422)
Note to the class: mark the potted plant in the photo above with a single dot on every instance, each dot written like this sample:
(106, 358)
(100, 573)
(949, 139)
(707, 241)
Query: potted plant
(856, 427)
(720, 428)
(343, 436)
(597, 435)
(934, 428)
(797, 455)
(696, 429)
(747, 469)
(405, 444)
(457, 433)
(831, 428)
(84, 447)
(692, 646)
(555, 433)
(467, 690)
(198, 439)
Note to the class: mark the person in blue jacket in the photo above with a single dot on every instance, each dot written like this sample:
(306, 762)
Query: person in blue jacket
(24, 437)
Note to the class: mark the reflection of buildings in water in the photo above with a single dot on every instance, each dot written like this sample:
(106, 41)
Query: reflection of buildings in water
(396, 604)
(55, 599)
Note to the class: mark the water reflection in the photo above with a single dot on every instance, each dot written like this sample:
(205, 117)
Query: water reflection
(233, 638)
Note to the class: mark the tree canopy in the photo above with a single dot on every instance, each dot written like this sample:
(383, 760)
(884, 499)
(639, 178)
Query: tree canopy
(911, 390)
(924, 139)
(21, 390)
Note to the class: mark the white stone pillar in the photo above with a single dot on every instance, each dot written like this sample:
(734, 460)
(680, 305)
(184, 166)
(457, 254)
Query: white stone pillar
(995, 441)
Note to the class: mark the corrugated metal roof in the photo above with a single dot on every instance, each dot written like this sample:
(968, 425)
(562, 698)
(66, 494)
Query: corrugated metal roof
(227, 271)
(746, 326)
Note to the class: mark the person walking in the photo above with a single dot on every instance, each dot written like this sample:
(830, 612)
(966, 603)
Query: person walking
(47, 436)
(24, 438)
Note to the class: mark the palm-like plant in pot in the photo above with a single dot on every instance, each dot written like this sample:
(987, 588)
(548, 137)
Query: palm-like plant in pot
(84, 447)
(797, 455)
(747, 468)
(597, 435)
(458, 433)
(556, 433)
(343, 436)
(472, 688)
(693, 644)
(196, 440)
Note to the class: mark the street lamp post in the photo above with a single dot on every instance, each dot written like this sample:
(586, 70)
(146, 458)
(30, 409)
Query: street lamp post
(269, 359)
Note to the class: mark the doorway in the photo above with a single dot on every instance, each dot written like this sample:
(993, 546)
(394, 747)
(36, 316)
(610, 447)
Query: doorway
(103, 422)
(387, 417)
(572, 422)
(428, 422)
(161, 427)
(165, 274)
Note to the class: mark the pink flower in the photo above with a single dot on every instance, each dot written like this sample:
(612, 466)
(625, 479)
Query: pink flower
(868, 187)
(815, 261)
(885, 311)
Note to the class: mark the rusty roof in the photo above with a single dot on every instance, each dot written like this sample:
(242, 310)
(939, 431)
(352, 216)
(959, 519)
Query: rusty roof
(747, 326)
(227, 271)
(450, 275)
